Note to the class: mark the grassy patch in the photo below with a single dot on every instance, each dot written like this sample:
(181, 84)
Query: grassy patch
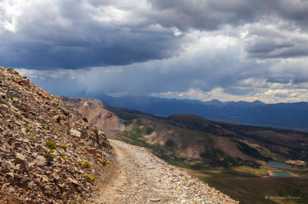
(258, 190)
(90, 177)
(134, 136)
(262, 171)
(50, 144)
(85, 164)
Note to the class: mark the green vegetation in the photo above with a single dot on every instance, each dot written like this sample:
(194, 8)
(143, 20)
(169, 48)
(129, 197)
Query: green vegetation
(148, 130)
(216, 158)
(134, 136)
(261, 171)
(250, 151)
(258, 190)
(85, 164)
(89, 177)
(51, 145)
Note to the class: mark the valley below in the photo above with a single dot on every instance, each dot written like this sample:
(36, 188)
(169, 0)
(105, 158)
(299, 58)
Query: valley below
(257, 185)
(261, 172)
(259, 190)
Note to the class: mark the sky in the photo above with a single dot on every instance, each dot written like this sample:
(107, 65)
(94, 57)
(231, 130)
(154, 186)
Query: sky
(229, 50)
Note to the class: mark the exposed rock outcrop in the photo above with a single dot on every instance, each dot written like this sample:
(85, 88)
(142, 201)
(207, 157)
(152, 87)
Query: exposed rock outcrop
(96, 114)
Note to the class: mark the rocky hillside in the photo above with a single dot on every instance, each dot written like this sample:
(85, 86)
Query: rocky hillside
(96, 114)
(48, 153)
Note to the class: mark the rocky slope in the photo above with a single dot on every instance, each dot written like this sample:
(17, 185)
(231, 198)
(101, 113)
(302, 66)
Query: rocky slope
(96, 114)
(48, 152)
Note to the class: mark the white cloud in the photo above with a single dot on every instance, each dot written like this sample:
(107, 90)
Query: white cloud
(271, 94)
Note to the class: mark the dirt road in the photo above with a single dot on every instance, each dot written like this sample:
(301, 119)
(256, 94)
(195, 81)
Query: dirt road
(142, 178)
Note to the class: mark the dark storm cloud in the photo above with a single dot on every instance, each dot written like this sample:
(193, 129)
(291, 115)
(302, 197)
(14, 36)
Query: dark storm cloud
(71, 34)
(276, 42)
(119, 48)
(85, 33)
(174, 74)
(269, 48)
(211, 14)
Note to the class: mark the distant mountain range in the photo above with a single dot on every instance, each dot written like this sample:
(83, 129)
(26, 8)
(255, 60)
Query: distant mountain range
(195, 140)
(282, 115)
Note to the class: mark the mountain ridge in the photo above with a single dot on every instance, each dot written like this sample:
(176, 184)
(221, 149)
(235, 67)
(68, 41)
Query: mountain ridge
(162, 130)
(280, 115)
